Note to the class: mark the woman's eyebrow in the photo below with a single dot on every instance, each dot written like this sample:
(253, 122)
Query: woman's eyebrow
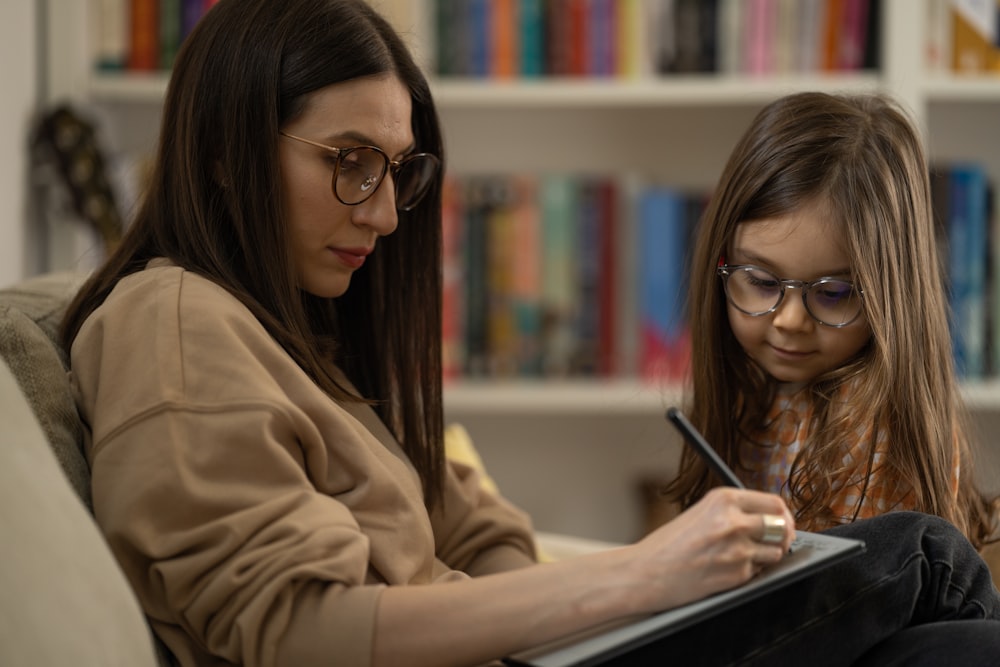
(360, 138)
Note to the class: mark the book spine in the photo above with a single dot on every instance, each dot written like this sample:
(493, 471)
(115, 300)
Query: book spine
(480, 36)
(608, 230)
(144, 48)
(664, 345)
(113, 34)
(559, 229)
(504, 37)
(526, 278)
(531, 18)
(967, 266)
(191, 12)
(452, 277)
(476, 287)
(170, 32)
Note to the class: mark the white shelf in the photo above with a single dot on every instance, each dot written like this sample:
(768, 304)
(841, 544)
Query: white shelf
(609, 397)
(677, 91)
(523, 397)
(963, 89)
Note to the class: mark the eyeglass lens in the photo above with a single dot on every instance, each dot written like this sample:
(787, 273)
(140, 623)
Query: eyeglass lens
(756, 292)
(363, 168)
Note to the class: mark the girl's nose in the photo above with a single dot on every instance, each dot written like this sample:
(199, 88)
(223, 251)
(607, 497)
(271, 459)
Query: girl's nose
(791, 313)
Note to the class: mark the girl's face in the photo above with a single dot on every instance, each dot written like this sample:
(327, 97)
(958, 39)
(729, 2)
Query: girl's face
(330, 240)
(788, 343)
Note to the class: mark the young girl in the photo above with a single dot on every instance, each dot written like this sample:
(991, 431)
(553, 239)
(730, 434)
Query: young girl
(822, 360)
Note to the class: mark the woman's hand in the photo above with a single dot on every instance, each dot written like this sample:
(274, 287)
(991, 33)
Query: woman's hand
(713, 546)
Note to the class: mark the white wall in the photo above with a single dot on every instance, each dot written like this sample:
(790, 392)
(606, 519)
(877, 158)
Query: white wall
(19, 256)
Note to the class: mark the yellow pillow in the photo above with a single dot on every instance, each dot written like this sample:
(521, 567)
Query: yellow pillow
(458, 447)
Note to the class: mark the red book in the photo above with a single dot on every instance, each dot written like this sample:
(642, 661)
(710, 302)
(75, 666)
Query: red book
(144, 39)
(607, 294)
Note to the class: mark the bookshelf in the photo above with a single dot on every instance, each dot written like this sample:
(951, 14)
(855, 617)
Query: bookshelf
(597, 438)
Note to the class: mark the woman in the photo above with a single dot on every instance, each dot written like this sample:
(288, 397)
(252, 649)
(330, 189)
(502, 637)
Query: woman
(259, 367)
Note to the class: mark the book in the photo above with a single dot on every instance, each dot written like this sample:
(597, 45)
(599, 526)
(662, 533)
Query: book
(475, 267)
(526, 275)
(452, 278)
(610, 228)
(967, 233)
(504, 37)
(760, 21)
(531, 21)
(171, 24)
(589, 275)
(112, 28)
(558, 200)
(144, 35)
(973, 35)
(664, 346)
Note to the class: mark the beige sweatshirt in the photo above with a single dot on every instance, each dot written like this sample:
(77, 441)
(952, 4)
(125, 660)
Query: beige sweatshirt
(257, 518)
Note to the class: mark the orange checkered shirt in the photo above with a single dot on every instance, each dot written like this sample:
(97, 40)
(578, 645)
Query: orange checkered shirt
(771, 457)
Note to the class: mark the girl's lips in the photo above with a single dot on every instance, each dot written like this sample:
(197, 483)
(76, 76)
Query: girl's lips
(789, 354)
(352, 257)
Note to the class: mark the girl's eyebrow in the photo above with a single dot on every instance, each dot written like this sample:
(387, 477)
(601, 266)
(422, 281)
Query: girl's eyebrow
(765, 263)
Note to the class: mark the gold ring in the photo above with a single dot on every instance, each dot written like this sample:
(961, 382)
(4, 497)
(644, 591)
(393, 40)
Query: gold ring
(774, 528)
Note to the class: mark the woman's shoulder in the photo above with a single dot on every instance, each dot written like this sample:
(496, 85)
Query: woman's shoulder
(165, 305)
(163, 280)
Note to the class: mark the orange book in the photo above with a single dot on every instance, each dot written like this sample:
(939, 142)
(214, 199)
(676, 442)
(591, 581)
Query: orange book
(144, 36)
(833, 23)
(504, 40)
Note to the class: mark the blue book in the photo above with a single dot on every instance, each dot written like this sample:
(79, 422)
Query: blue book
(967, 235)
(480, 33)
(662, 248)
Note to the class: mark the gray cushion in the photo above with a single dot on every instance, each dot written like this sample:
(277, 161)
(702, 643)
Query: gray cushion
(30, 313)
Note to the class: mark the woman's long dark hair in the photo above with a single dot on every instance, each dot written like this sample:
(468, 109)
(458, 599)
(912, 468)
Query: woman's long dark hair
(214, 206)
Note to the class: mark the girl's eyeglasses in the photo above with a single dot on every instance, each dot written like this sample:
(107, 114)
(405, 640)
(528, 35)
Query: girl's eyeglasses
(756, 291)
(359, 171)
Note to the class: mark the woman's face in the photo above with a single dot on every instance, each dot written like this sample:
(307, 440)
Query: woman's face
(788, 343)
(330, 240)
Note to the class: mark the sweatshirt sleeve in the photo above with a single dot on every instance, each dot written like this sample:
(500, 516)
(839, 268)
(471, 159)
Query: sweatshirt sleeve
(220, 532)
(477, 530)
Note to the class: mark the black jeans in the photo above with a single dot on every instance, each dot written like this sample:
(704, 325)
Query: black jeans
(919, 595)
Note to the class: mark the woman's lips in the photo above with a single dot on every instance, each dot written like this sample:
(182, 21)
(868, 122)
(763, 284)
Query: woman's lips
(352, 257)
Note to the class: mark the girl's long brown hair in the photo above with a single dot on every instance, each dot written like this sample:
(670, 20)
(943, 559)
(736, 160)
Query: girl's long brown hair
(862, 158)
(214, 207)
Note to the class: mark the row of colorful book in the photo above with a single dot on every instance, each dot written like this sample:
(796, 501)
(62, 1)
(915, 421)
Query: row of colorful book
(631, 38)
(969, 241)
(143, 35)
(565, 276)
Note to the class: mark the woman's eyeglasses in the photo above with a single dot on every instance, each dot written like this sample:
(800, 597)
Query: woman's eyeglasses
(756, 291)
(360, 170)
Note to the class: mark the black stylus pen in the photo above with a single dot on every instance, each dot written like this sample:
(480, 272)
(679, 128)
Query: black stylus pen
(696, 440)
